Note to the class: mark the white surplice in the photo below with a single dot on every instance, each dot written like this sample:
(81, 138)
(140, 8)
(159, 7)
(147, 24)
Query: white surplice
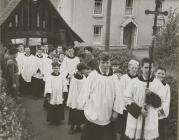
(99, 96)
(69, 66)
(55, 85)
(135, 92)
(124, 82)
(164, 110)
(74, 91)
(40, 61)
(47, 67)
(29, 67)
(19, 60)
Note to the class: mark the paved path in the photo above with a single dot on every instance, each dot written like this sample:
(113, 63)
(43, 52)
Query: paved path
(39, 126)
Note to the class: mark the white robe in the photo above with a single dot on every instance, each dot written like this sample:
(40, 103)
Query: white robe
(74, 91)
(165, 102)
(40, 62)
(124, 83)
(69, 66)
(99, 96)
(19, 60)
(55, 85)
(29, 67)
(47, 68)
(135, 92)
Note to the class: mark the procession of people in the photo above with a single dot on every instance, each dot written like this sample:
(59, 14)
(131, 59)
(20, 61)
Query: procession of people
(102, 100)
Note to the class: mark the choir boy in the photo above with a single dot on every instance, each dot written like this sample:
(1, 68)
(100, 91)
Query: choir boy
(76, 116)
(38, 84)
(125, 80)
(54, 88)
(101, 100)
(68, 67)
(164, 110)
(61, 57)
(143, 102)
(29, 68)
(48, 69)
(48, 62)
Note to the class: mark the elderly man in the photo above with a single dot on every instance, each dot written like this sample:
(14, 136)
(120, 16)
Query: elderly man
(125, 80)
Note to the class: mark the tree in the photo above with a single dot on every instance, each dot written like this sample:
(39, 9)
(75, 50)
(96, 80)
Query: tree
(166, 50)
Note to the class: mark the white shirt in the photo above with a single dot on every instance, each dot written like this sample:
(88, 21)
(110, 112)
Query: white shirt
(99, 96)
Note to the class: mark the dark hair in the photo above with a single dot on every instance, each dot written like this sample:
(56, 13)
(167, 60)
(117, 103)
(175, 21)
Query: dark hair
(90, 49)
(50, 50)
(104, 56)
(82, 66)
(20, 45)
(13, 51)
(146, 60)
(55, 64)
(56, 55)
(93, 64)
(26, 46)
(161, 68)
(39, 47)
(114, 62)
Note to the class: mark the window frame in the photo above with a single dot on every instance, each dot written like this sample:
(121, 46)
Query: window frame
(96, 11)
(127, 8)
(97, 38)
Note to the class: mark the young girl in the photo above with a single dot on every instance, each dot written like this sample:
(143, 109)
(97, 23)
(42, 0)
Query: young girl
(76, 117)
(54, 88)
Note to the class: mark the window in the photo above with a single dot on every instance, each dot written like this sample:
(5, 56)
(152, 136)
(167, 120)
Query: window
(98, 7)
(129, 7)
(97, 33)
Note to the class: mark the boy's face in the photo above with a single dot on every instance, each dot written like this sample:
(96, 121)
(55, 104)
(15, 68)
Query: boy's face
(86, 51)
(21, 48)
(115, 67)
(160, 74)
(105, 65)
(133, 69)
(55, 59)
(56, 69)
(71, 52)
(84, 71)
(27, 50)
(52, 53)
(39, 52)
(61, 57)
(145, 68)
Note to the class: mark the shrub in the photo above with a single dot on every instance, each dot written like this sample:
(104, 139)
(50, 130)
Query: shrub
(166, 50)
(12, 118)
(173, 115)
